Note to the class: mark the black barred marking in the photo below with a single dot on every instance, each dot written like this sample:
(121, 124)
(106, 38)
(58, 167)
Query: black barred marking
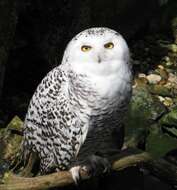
(66, 150)
(95, 32)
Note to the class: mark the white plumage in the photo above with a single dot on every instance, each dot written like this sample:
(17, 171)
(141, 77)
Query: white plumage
(79, 105)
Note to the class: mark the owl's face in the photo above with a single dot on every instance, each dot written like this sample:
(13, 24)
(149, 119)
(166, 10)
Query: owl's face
(99, 51)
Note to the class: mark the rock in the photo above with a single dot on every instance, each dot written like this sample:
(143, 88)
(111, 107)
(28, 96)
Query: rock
(172, 78)
(163, 73)
(15, 124)
(168, 101)
(9, 144)
(171, 131)
(10, 140)
(4, 166)
(173, 48)
(175, 101)
(160, 67)
(169, 122)
(141, 75)
(161, 98)
(153, 78)
(166, 58)
(144, 110)
(170, 119)
(161, 90)
(159, 144)
(168, 63)
(142, 81)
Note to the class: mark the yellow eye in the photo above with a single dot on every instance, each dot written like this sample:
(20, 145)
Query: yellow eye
(109, 45)
(86, 48)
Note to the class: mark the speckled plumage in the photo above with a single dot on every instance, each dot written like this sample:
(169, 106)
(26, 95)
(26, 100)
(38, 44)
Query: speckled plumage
(79, 104)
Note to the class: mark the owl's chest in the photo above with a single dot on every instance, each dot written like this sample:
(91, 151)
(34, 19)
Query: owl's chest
(106, 87)
(111, 94)
(97, 98)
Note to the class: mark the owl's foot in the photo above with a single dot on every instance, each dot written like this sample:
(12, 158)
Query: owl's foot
(93, 166)
(75, 172)
(96, 165)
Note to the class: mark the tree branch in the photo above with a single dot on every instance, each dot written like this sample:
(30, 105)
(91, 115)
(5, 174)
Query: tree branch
(160, 168)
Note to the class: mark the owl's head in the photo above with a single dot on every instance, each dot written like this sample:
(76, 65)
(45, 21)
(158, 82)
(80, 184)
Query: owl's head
(99, 51)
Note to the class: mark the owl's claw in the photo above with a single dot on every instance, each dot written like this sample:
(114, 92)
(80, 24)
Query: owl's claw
(96, 165)
(93, 166)
(75, 172)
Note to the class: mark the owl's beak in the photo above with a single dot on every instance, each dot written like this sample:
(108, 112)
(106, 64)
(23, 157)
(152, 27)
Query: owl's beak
(99, 59)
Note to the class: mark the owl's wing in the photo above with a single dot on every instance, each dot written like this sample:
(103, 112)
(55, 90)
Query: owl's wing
(52, 128)
(37, 117)
(45, 95)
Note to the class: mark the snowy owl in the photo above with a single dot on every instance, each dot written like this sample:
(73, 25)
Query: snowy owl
(76, 113)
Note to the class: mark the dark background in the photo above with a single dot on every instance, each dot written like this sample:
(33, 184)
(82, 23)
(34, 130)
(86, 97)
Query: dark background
(34, 34)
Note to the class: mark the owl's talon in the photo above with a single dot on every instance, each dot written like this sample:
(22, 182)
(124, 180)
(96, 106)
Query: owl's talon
(93, 166)
(96, 165)
(107, 166)
(75, 172)
(87, 170)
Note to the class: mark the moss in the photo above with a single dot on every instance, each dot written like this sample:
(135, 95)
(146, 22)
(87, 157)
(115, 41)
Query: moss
(159, 144)
(161, 90)
(10, 141)
(170, 119)
(144, 110)
(16, 124)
